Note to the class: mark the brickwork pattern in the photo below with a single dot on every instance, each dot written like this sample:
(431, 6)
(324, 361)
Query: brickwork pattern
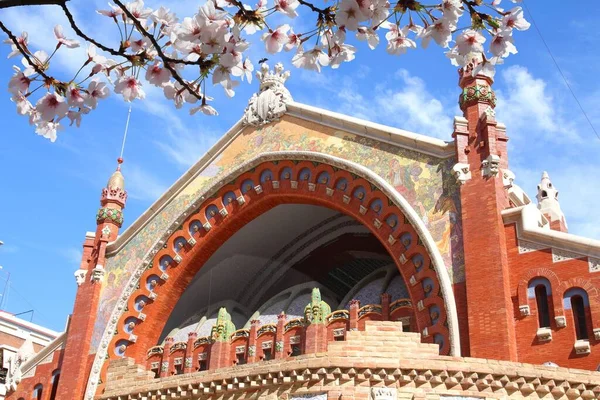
(381, 356)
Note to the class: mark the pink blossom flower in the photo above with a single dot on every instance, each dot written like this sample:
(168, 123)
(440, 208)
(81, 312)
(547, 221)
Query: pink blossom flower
(14, 50)
(222, 75)
(75, 97)
(18, 82)
(440, 32)
(470, 41)
(349, 14)
(288, 7)
(48, 129)
(157, 75)
(24, 107)
(293, 41)
(275, 40)
(398, 42)
(39, 58)
(112, 13)
(75, 116)
(51, 105)
(368, 34)
(244, 69)
(130, 88)
(204, 108)
(163, 16)
(136, 8)
(515, 19)
(311, 59)
(96, 90)
(62, 40)
(502, 44)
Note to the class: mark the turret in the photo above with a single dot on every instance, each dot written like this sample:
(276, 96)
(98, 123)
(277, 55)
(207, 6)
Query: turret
(547, 197)
(112, 203)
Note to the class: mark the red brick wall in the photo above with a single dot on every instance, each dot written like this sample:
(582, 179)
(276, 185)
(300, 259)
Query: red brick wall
(564, 274)
(43, 376)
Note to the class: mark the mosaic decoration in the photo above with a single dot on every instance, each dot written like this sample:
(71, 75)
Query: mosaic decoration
(316, 311)
(425, 181)
(308, 396)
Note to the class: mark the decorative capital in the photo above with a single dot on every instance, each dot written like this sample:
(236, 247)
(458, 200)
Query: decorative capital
(80, 276)
(110, 215)
(561, 321)
(98, 273)
(490, 166)
(462, 172)
(524, 311)
(270, 102)
(224, 328)
(478, 93)
(316, 311)
(115, 195)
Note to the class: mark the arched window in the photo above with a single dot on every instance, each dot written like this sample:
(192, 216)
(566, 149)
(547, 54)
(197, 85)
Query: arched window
(576, 300)
(578, 308)
(539, 288)
(55, 377)
(37, 392)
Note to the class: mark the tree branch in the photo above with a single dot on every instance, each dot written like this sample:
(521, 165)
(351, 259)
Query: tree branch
(82, 35)
(25, 53)
(166, 60)
(17, 3)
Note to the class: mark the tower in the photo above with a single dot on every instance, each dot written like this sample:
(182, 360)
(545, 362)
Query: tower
(547, 197)
(90, 278)
(481, 170)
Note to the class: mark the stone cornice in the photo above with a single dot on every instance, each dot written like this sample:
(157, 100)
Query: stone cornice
(442, 375)
(532, 228)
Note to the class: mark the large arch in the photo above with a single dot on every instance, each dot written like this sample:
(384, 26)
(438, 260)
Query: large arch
(253, 188)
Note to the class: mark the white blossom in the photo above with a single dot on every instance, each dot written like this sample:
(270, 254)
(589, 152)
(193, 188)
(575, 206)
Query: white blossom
(19, 82)
(470, 41)
(24, 107)
(288, 7)
(62, 40)
(368, 34)
(48, 129)
(275, 40)
(349, 15)
(502, 44)
(39, 58)
(440, 32)
(50, 106)
(96, 90)
(14, 50)
(311, 59)
(130, 88)
(163, 16)
(112, 13)
(75, 97)
(514, 19)
(157, 75)
(398, 42)
(204, 108)
(136, 8)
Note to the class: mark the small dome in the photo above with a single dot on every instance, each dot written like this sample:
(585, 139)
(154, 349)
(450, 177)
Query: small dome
(116, 180)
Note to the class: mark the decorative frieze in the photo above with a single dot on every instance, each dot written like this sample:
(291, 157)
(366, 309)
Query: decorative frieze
(559, 255)
(528, 247)
(561, 321)
(594, 264)
(383, 393)
(582, 347)
(98, 273)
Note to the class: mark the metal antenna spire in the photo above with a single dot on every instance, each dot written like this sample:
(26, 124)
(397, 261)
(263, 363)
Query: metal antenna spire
(120, 159)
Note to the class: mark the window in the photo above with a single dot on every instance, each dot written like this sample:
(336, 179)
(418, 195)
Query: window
(541, 299)
(578, 308)
(202, 365)
(267, 355)
(37, 392)
(576, 299)
(156, 372)
(296, 351)
(55, 377)
(178, 369)
(241, 358)
(539, 290)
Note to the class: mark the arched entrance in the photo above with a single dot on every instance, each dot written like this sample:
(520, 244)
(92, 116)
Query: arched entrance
(259, 186)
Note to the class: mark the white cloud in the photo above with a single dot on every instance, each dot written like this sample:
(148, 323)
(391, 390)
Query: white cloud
(408, 105)
(527, 105)
(143, 185)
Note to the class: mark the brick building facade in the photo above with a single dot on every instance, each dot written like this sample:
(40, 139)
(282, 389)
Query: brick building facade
(310, 254)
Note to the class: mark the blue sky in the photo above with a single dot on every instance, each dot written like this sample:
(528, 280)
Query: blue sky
(51, 190)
